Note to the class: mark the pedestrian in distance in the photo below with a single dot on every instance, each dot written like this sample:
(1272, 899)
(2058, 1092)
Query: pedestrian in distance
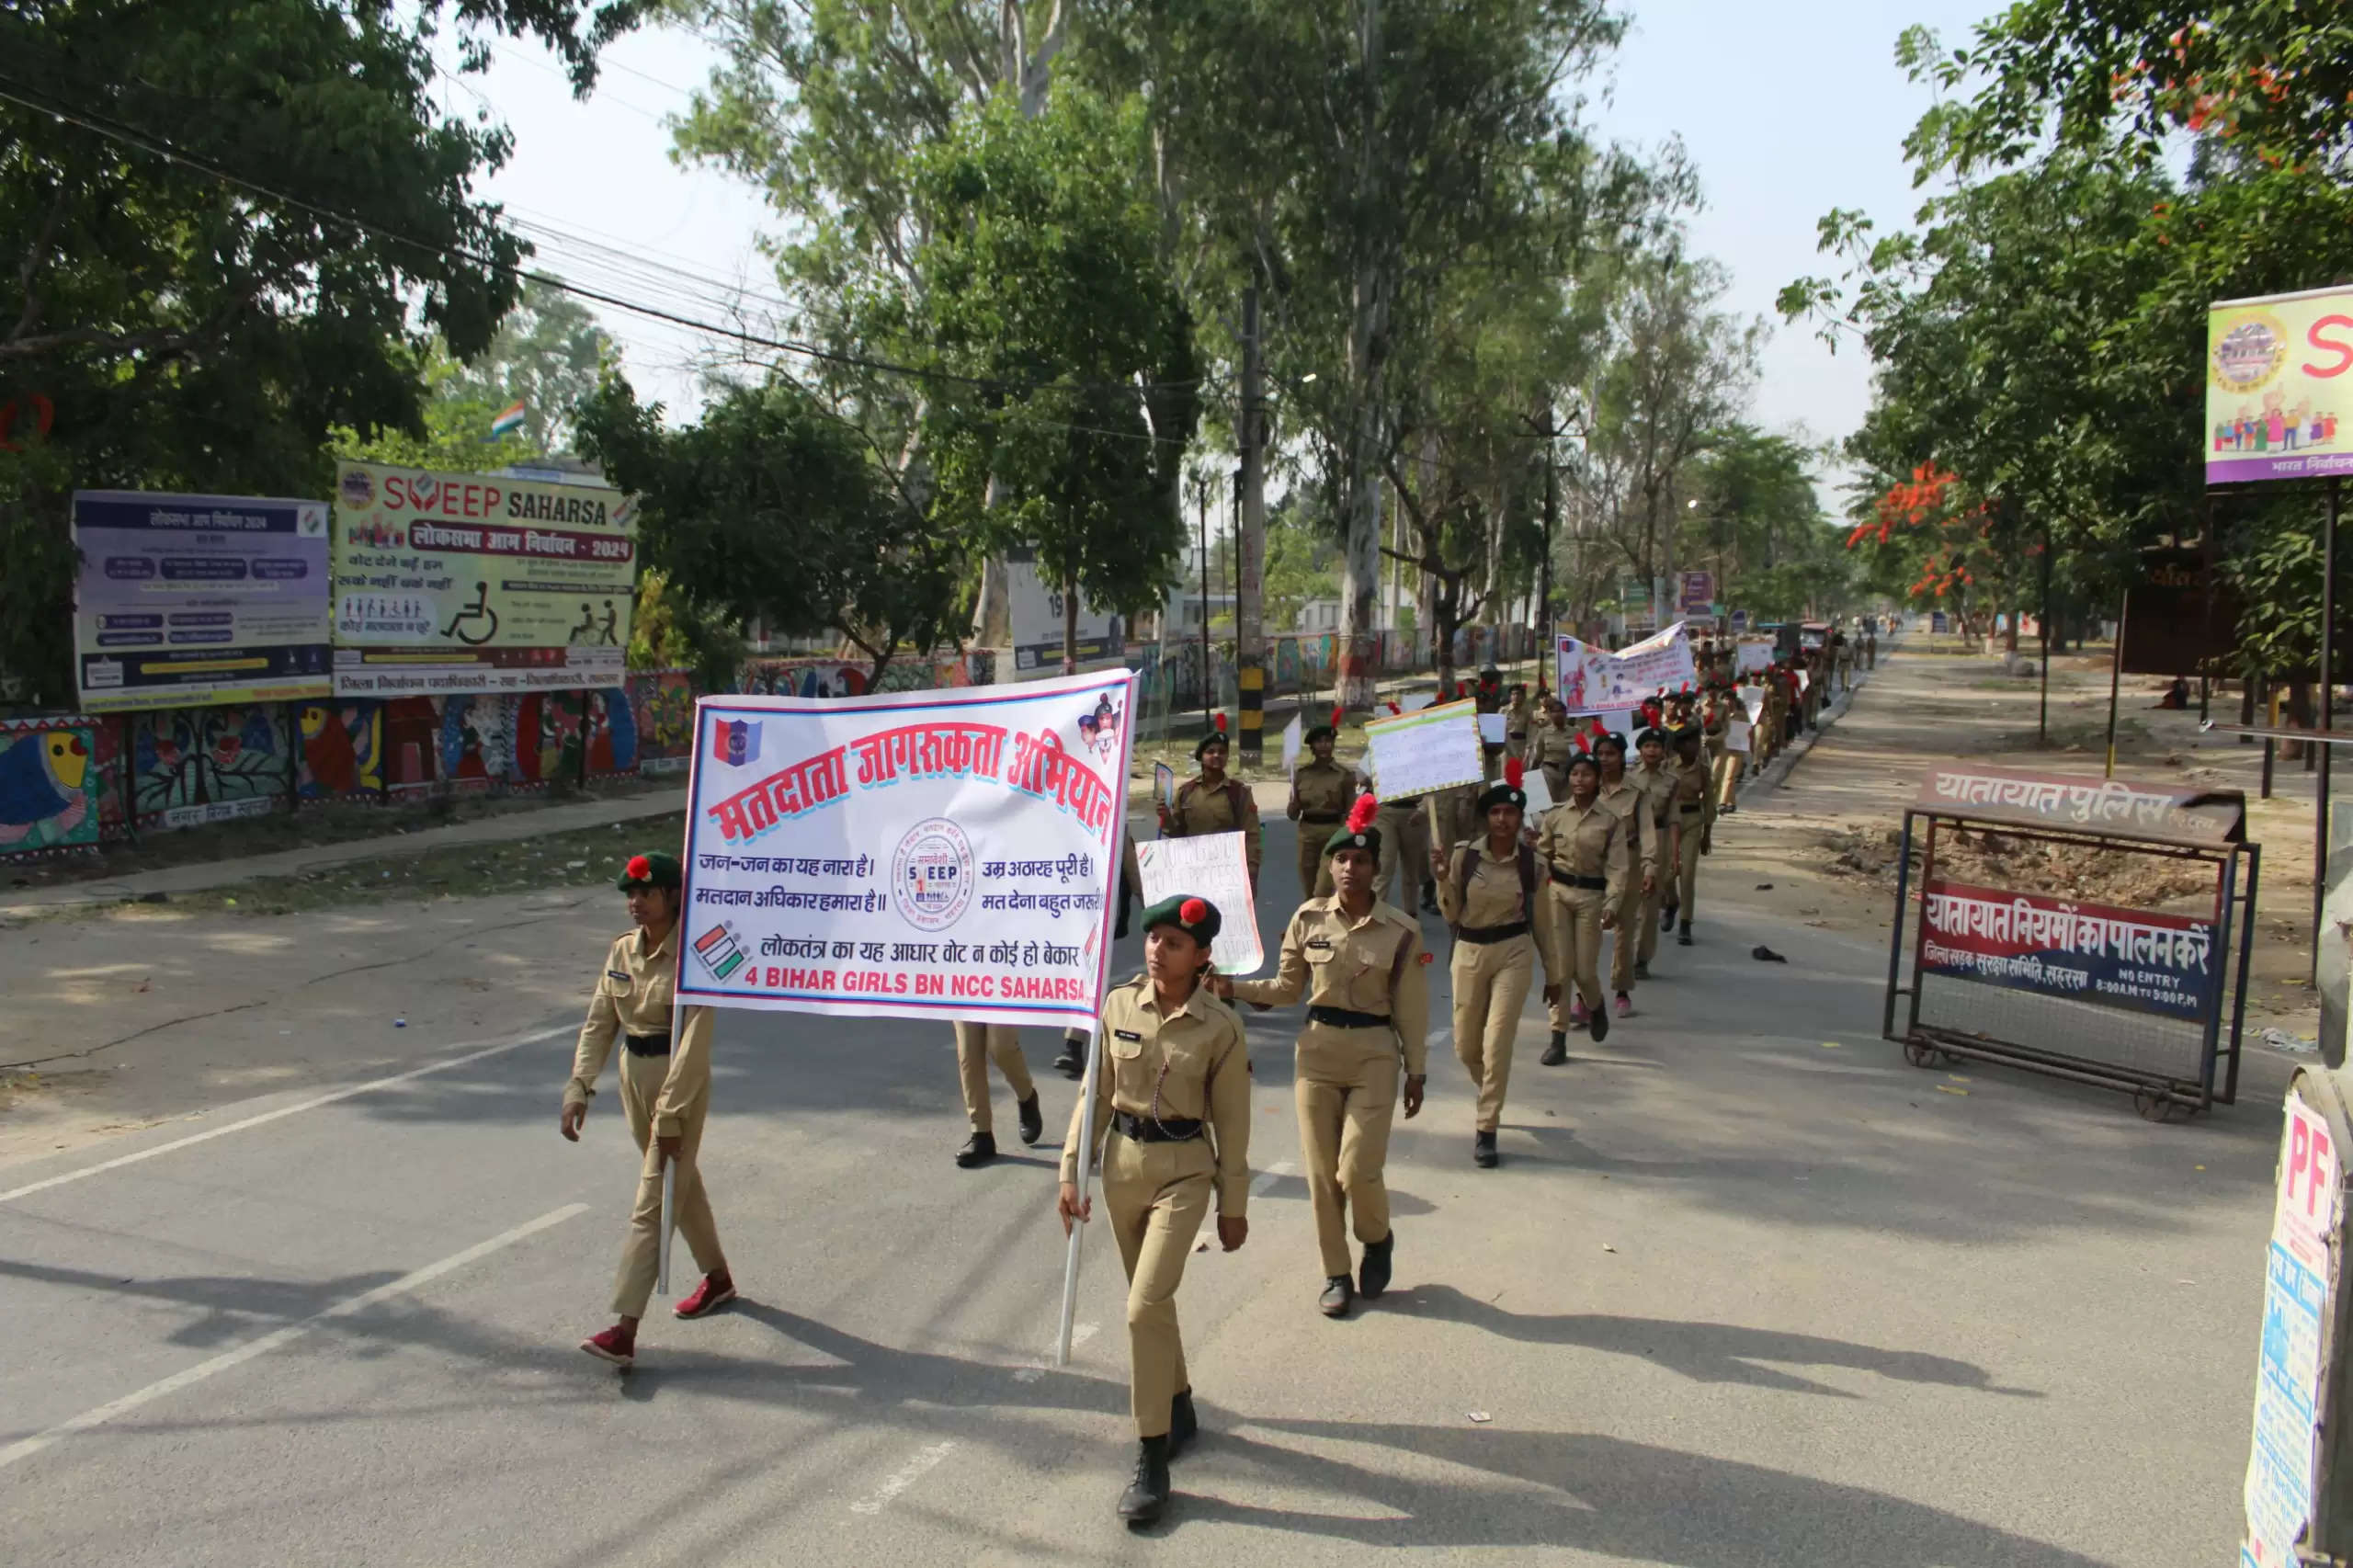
(1358, 962)
(1582, 845)
(1643, 840)
(1693, 809)
(1495, 903)
(1320, 790)
(665, 1094)
(1172, 1114)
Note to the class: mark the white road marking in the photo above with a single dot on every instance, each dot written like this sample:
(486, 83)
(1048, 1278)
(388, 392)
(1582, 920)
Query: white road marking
(906, 1475)
(1080, 1334)
(1265, 1179)
(312, 1104)
(31, 1446)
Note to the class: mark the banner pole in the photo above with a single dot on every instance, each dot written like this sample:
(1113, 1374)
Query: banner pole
(669, 1186)
(1086, 1180)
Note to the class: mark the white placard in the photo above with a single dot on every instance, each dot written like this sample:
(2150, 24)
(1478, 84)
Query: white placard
(1756, 654)
(1805, 680)
(1293, 732)
(1492, 731)
(1753, 699)
(1432, 748)
(1164, 784)
(1416, 703)
(1539, 794)
(2277, 1494)
(1211, 866)
(1736, 736)
(918, 855)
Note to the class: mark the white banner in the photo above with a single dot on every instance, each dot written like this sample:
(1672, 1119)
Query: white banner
(1429, 748)
(1593, 680)
(1756, 654)
(920, 855)
(1492, 731)
(1291, 734)
(1213, 867)
(1735, 736)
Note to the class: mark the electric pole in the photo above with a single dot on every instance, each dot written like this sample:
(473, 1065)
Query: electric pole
(1250, 538)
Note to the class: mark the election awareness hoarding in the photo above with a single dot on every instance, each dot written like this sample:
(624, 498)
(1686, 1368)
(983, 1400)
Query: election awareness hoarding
(189, 601)
(1594, 680)
(453, 583)
(2276, 387)
(2134, 958)
(920, 855)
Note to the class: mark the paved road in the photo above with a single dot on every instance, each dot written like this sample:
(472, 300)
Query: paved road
(1737, 1297)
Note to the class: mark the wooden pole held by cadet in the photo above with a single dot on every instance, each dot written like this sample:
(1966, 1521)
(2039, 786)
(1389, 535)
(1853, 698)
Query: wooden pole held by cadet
(669, 1186)
(1085, 1180)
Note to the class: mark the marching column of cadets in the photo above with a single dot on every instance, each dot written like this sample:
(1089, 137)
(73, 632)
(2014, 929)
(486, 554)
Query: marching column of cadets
(1173, 1098)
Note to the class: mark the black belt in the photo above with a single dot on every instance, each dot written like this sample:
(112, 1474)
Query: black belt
(1693, 810)
(1144, 1129)
(1321, 821)
(1491, 933)
(647, 1044)
(1593, 884)
(1346, 1018)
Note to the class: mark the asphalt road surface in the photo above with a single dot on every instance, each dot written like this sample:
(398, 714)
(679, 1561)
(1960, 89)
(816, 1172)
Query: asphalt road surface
(1747, 1289)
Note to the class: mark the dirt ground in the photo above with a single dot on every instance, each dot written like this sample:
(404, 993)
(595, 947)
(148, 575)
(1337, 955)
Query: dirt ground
(1827, 838)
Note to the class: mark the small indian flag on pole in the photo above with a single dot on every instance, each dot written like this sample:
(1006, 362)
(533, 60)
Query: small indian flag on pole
(509, 420)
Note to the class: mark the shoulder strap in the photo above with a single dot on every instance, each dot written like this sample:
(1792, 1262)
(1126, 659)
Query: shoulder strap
(1397, 966)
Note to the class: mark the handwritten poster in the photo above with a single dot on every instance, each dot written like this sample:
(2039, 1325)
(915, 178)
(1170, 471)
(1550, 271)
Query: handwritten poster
(1212, 866)
(918, 855)
(1429, 748)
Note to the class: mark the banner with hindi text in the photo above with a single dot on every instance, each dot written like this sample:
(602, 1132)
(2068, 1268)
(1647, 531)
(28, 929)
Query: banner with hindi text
(918, 855)
(2134, 958)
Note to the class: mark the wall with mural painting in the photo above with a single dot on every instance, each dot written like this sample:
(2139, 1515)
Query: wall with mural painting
(663, 702)
(342, 750)
(806, 676)
(200, 765)
(60, 785)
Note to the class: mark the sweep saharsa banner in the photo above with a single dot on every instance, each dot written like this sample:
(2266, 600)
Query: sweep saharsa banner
(918, 855)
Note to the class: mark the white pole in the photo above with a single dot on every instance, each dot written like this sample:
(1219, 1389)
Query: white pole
(669, 1187)
(1085, 1181)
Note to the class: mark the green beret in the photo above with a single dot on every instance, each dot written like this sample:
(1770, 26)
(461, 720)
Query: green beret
(650, 871)
(1687, 732)
(1214, 738)
(1647, 736)
(1321, 733)
(1365, 838)
(1502, 795)
(1196, 918)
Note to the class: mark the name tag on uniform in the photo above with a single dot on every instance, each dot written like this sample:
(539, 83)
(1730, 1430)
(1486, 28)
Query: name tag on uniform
(617, 974)
(1319, 942)
(1126, 1034)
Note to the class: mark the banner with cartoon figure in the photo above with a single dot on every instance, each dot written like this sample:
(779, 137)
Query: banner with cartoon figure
(1594, 680)
(2276, 387)
(448, 583)
(916, 855)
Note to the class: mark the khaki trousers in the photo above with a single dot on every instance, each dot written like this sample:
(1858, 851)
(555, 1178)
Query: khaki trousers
(1405, 849)
(1576, 933)
(642, 1078)
(1158, 1195)
(1491, 981)
(1728, 767)
(1623, 940)
(977, 1045)
(1686, 870)
(1314, 872)
(1653, 903)
(1346, 1090)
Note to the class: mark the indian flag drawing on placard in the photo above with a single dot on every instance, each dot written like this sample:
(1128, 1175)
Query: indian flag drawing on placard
(509, 420)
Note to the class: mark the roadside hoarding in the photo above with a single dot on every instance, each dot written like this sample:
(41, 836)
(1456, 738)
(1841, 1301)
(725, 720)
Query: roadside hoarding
(448, 585)
(190, 601)
(1034, 611)
(2276, 387)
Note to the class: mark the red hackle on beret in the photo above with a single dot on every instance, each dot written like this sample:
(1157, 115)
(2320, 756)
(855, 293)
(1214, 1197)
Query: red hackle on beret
(1360, 815)
(639, 868)
(1514, 771)
(1220, 724)
(1338, 714)
(1193, 911)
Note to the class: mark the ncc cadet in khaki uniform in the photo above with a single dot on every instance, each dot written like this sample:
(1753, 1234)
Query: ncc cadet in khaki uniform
(1172, 1110)
(1582, 846)
(1551, 747)
(1692, 817)
(665, 1092)
(1495, 900)
(977, 1045)
(1516, 722)
(1359, 962)
(1649, 774)
(1404, 834)
(1644, 844)
(1320, 791)
(1724, 763)
(1215, 803)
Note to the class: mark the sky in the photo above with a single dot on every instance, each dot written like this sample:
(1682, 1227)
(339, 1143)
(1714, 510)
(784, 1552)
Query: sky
(1787, 113)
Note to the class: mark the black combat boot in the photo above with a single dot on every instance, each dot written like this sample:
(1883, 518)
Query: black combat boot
(1600, 1025)
(1033, 1120)
(1072, 1063)
(1372, 1274)
(1183, 1425)
(1146, 1498)
(979, 1151)
(1682, 937)
(1483, 1148)
(1642, 969)
(1557, 1050)
(1666, 917)
(1339, 1295)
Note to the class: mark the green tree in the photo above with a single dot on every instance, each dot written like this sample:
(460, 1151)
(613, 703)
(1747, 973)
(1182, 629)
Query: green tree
(226, 223)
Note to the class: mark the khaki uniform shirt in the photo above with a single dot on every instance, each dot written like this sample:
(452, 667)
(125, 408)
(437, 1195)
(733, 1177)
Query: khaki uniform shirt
(1641, 822)
(1204, 809)
(1190, 1065)
(1656, 788)
(1493, 897)
(1549, 748)
(1373, 965)
(1586, 842)
(633, 996)
(1689, 787)
(1516, 722)
(1323, 791)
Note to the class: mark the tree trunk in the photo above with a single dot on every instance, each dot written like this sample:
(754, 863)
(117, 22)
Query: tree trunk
(1070, 627)
(1367, 328)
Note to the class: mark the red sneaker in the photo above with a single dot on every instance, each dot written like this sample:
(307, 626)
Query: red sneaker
(1576, 1012)
(710, 1296)
(612, 1345)
(1625, 1009)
